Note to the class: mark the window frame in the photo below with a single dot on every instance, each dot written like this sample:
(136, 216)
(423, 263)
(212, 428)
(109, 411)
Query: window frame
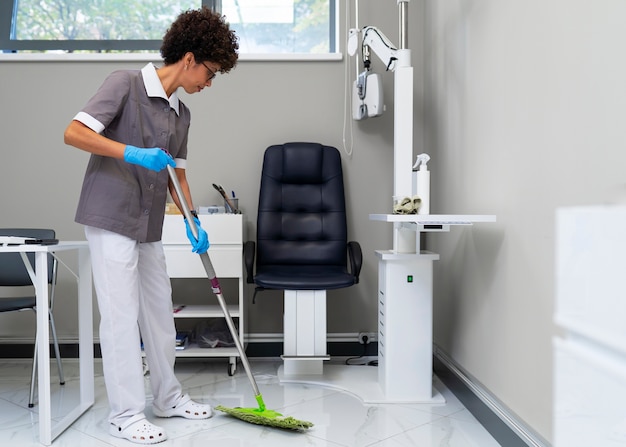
(136, 47)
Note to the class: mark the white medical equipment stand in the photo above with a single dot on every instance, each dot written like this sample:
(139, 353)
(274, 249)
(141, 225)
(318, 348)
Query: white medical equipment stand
(405, 273)
(405, 308)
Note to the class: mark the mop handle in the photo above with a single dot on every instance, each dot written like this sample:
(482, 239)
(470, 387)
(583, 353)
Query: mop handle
(208, 266)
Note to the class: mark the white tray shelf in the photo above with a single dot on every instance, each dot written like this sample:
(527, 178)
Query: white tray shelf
(204, 311)
(194, 351)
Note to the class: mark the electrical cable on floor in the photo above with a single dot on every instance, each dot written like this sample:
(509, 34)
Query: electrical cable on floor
(370, 363)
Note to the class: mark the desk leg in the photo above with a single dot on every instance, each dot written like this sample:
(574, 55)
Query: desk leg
(85, 332)
(43, 347)
(85, 329)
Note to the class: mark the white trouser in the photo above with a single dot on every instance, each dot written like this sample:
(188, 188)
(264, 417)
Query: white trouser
(134, 296)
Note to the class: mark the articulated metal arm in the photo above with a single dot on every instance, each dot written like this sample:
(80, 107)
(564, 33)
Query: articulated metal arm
(381, 45)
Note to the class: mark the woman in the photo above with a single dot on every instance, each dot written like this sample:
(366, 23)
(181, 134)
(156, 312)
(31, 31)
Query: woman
(135, 126)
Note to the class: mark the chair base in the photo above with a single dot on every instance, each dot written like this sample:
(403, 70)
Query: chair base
(303, 365)
(304, 332)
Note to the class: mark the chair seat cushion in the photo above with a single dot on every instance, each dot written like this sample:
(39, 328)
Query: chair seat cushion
(11, 304)
(307, 277)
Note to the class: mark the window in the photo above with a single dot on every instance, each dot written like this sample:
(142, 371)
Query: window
(282, 26)
(263, 26)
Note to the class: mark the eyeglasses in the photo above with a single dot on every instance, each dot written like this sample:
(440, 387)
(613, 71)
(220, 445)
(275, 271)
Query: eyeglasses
(212, 73)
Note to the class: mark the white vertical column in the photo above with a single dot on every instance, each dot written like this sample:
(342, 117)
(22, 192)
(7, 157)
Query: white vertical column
(304, 331)
(403, 125)
(403, 140)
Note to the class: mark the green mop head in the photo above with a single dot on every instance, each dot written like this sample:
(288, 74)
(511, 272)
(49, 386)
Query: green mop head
(261, 416)
(266, 417)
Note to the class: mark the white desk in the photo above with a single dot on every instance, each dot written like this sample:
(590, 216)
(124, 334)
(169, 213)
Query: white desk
(47, 430)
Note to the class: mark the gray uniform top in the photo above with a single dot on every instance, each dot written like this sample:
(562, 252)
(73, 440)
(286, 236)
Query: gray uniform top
(131, 107)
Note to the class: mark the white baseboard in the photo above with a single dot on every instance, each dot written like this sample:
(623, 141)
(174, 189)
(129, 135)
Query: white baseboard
(278, 337)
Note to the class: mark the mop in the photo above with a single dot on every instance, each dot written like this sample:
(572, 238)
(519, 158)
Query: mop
(260, 415)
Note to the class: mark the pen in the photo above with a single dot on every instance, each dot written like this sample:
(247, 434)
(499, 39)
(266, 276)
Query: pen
(220, 189)
(233, 193)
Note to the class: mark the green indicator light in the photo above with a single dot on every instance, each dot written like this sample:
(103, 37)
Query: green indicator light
(409, 278)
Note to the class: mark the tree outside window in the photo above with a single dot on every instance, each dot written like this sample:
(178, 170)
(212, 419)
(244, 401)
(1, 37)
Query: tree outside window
(263, 26)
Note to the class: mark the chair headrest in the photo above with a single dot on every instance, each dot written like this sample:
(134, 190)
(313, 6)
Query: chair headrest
(302, 163)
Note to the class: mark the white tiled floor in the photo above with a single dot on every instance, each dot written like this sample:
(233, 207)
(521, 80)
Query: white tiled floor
(341, 419)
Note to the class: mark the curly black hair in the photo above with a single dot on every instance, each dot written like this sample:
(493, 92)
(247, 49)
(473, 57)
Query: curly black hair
(204, 33)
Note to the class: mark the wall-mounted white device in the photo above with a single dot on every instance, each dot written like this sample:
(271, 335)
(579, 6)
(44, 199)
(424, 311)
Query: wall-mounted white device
(367, 96)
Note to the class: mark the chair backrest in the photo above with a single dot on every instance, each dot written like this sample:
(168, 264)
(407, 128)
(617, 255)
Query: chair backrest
(13, 273)
(302, 217)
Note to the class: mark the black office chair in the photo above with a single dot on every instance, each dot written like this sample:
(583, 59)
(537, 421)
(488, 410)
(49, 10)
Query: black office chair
(13, 273)
(301, 244)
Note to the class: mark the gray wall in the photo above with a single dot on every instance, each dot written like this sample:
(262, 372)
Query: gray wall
(258, 104)
(518, 103)
(525, 108)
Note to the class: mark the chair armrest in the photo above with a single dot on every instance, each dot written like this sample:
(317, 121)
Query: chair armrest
(355, 256)
(248, 259)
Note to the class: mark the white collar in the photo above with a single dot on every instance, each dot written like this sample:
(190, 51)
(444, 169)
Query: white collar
(155, 89)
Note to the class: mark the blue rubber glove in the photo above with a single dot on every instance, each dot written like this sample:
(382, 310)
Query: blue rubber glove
(201, 245)
(154, 158)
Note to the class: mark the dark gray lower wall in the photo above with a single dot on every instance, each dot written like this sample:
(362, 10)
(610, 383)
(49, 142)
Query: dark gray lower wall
(70, 350)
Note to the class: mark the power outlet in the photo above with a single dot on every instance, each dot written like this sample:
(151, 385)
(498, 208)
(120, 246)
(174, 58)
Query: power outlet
(367, 337)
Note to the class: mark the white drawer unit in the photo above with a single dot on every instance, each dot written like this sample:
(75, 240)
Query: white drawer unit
(590, 309)
(591, 261)
(226, 236)
(590, 390)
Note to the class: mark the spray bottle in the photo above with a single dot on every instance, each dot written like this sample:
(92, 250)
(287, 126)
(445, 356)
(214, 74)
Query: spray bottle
(421, 183)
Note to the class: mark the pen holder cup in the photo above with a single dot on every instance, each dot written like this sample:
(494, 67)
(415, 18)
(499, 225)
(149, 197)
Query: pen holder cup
(235, 203)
